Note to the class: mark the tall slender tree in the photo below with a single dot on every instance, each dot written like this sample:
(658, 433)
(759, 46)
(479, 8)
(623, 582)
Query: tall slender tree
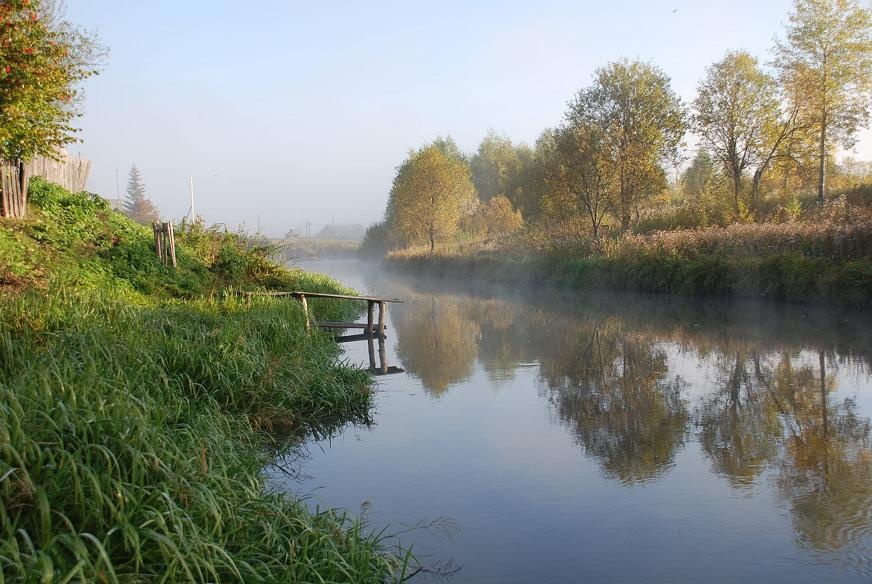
(737, 113)
(825, 62)
(135, 189)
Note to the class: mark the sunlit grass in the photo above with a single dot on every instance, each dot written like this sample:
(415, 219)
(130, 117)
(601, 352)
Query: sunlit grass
(138, 406)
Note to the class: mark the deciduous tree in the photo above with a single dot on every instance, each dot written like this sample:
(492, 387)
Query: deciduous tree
(43, 59)
(497, 216)
(580, 173)
(699, 176)
(638, 123)
(495, 166)
(737, 113)
(430, 194)
(825, 62)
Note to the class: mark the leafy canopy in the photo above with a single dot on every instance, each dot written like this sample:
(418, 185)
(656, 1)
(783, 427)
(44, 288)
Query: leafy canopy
(43, 59)
(638, 121)
(431, 192)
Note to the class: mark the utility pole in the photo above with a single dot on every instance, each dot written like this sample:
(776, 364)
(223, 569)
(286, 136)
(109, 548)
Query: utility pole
(193, 212)
(117, 185)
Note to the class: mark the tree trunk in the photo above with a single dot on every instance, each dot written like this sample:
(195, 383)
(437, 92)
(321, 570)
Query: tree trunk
(823, 366)
(822, 163)
(625, 204)
(737, 190)
(432, 241)
(625, 212)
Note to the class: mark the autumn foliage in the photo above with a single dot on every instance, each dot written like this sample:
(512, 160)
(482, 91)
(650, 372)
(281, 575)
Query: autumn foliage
(42, 61)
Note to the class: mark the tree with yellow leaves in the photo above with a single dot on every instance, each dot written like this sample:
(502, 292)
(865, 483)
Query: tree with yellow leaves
(431, 193)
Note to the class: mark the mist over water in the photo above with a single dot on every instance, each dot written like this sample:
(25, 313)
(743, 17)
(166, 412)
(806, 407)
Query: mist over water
(606, 437)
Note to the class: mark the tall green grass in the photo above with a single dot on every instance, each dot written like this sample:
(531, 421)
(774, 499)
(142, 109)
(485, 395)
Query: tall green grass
(138, 406)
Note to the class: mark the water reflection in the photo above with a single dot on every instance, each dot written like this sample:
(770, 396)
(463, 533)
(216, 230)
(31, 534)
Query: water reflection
(760, 398)
(611, 388)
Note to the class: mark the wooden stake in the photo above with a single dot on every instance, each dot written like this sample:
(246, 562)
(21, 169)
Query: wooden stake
(306, 312)
(172, 239)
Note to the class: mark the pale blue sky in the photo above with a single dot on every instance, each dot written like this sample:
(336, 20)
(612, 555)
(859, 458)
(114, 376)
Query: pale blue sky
(287, 110)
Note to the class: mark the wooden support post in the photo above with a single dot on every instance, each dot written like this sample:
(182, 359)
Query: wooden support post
(382, 352)
(370, 307)
(306, 312)
(157, 241)
(172, 239)
(371, 346)
(382, 355)
(382, 316)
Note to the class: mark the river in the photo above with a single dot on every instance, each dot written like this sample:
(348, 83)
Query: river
(554, 436)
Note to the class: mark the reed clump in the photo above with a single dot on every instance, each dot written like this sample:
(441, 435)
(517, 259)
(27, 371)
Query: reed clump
(826, 260)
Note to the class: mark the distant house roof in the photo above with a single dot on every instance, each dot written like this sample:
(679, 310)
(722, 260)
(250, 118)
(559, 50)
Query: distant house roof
(116, 204)
(343, 232)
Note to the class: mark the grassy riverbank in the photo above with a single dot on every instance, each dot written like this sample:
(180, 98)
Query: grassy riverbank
(827, 262)
(138, 405)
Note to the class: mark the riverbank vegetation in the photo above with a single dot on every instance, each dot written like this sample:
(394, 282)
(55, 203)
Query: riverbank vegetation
(139, 404)
(613, 196)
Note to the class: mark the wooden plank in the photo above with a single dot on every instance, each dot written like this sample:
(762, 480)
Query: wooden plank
(297, 294)
(341, 296)
(389, 371)
(343, 325)
(4, 193)
(351, 338)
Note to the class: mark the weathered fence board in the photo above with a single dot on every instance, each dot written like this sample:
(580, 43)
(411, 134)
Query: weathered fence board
(70, 173)
(14, 201)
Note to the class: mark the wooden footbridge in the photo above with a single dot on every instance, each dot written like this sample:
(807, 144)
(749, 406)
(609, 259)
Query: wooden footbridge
(371, 330)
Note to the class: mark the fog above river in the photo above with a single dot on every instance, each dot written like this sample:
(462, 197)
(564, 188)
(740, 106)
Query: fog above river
(691, 432)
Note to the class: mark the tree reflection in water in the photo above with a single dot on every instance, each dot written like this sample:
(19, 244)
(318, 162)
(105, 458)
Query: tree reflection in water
(826, 470)
(738, 424)
(437, 339)
(611, 389)
(766, 407)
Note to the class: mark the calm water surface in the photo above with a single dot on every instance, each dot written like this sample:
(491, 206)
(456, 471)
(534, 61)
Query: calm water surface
(564, 437)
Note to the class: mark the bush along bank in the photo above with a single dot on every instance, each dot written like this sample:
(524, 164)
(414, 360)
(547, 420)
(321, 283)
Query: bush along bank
(821, 263)
(137, 405)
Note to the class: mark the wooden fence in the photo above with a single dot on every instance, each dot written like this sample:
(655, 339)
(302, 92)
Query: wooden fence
(71, 173)
(13, 203)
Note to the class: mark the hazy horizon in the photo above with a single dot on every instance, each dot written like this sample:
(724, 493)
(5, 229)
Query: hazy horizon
(289, 112)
